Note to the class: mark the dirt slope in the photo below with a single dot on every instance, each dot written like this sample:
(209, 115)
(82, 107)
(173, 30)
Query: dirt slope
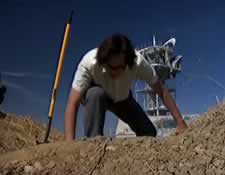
(199, 150)
(19, 132)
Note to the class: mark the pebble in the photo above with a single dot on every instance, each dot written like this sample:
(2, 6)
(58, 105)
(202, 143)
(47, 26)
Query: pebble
(171, 167)
(223, 150)
(219, 163)
(5, 172)
(38, 166)
(29, 169)
(199, 149)
(83, 153)
(110, 148)
(162, 167)
(51, 164)
(14, 162)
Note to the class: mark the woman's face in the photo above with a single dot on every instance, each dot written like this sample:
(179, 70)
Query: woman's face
(116, 66)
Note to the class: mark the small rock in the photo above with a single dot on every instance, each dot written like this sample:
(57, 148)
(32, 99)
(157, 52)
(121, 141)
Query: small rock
(198, 170)
(46, 172)
(184, 171)
(110, 148)
(175, 148)
(164, 172)
(199, 149)
(223, 150)
(206, 159)
(45, 154)
(51, 165)
(188, 164)
(162, 167)
(19, 169)
(38, 166)
(151, 159)
(92, 158)
(14, 162)
(29, 169)
(188, 141)
(83, 154)
(124, 143)
(218, 163)
(6, 172)
(23, 163)
(208, 134)
(7, 166)
(181, 164)
(182, 148)
(83, 138)
(171, 167)
(36, 155)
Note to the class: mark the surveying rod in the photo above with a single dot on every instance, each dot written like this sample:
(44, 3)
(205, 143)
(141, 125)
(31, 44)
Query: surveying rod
(57, 76)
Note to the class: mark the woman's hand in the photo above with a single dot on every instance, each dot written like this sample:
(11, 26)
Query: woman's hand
(181, 126)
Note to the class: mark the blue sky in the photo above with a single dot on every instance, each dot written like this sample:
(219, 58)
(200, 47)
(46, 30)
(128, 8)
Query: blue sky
(31, 33)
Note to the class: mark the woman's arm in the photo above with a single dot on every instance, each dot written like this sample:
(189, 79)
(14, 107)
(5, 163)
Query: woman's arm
(167, 99)
(71, 114)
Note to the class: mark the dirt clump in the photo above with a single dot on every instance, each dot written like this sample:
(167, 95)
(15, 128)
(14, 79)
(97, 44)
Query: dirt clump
(199, 150)
(21, 132)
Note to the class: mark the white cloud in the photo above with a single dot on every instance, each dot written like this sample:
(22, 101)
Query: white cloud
(26, 74)
(31, 95)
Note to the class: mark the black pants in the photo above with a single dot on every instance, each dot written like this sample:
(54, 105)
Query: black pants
(96, 103)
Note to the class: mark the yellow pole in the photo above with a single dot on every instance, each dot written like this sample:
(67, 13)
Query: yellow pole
(59, 70)
(57, 77)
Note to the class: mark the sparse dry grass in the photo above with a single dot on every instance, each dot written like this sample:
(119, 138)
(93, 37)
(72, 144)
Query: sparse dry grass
(19, 132)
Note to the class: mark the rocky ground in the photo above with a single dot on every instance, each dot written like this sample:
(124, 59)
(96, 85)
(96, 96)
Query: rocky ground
(197, 151)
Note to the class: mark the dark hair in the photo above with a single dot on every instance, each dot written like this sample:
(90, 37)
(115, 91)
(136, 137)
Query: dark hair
(114, 45)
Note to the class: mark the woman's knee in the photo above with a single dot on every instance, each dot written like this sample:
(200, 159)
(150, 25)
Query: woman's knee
(95, 93)
(147, 129)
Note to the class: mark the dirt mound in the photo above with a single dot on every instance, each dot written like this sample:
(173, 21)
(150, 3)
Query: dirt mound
(199, 150)
(20, 132)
